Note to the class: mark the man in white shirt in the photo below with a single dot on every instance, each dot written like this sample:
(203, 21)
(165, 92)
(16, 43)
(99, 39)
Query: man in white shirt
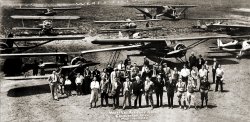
(148, 87)
(94, 86)
(78, 81)
(181, 89)
(202, 72)
(53, 83)
(121, 66)
(114, 75)
(219, 78)
(67, 86)
(185, 72)
(127, 92)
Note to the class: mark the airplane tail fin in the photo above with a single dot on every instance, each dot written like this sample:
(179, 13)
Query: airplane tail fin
(219, 43)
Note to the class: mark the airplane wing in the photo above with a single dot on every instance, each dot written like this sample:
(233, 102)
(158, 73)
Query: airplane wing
(112, 49)
(44, 17)
(131, 41)
(134, 29)
(209, 18)
(18, 55)
(38, 8)
(159, 6)
(27, 77)
(230, 26)
(41, 38)
(124, 21)
(27, 28)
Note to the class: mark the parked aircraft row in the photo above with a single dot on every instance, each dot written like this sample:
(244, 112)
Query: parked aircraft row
(160, 48)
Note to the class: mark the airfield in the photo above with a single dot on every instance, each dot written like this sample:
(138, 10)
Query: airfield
(30, 100)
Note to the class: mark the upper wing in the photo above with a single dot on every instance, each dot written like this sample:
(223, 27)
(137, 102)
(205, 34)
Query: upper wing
(44, 17)
(230, 26)
(158, 6)
(41, 38)
(27, 28)
(132, 29)
(18, 55)
(111, 49)
(124, 21)
(124, 41)
(210, 18)
(38, 8)
(131, 41)
(27, 77)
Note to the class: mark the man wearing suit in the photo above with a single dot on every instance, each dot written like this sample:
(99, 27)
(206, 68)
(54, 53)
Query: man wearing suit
(137, 90)
(214, 67)
(200, 62)
(192, 60)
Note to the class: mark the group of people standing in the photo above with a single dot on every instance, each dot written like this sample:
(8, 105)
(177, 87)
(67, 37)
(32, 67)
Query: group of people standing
(132, 82)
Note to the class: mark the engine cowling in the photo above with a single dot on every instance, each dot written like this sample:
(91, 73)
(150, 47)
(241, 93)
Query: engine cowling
(179, 47)
(77, 60)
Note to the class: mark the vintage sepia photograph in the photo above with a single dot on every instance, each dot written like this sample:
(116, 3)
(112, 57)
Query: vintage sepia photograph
(124, 60)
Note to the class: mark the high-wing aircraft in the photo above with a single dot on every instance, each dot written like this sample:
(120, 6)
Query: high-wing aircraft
(205, 23)
(236, 46)
(163, 48)
(8, 44)
(219, 25)
(169, 11)
(14, 61)
(49, 11)
(128, 25)
(45, 28)
(232, 29)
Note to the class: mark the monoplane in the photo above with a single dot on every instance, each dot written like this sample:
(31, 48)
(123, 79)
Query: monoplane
(11, 43)
(15, 61)
(238, 47)
(158, 48)
(174, 12)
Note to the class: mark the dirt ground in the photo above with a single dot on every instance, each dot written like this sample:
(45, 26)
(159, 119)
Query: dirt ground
(30, 100)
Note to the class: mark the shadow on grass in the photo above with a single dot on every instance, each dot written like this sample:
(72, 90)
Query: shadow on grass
(27, 91)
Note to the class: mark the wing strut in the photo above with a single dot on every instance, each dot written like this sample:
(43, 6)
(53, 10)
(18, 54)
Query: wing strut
(113, 58)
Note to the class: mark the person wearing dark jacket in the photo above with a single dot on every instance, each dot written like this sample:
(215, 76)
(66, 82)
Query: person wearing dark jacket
(204, 87)
(214, 67)
(170, 86)
(200, 62)
(159, 84)
(192, 60)
(137, 90)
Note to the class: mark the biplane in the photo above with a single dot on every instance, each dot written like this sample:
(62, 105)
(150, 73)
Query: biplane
(49, 11)
(29, 17)
(45, 28)
(236, 47)
(14, 61)
(174, 12)
(158, 48)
